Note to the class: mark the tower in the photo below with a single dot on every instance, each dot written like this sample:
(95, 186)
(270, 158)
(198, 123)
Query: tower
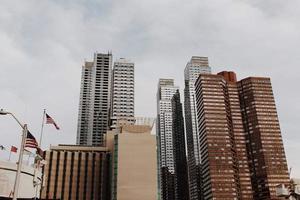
(242, 155)
(180, 162)
(122, 93)
(165, 92)
(196, 66)
(225, 172)
(94, 103)
(266, 154)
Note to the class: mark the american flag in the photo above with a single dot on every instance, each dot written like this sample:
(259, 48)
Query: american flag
(31, 141)
(14, 149)
(49, 120)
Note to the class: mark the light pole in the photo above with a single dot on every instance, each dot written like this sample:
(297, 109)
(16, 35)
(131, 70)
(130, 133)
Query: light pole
(19, 163)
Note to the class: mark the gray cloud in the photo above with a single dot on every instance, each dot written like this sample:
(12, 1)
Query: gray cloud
(44, 44)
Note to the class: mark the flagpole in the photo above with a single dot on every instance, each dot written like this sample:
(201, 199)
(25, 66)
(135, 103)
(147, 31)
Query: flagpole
(9, 155)
(42, 129)
(36, 164)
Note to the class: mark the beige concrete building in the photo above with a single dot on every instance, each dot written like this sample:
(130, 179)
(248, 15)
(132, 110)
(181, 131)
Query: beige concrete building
(134, 163)
(76, 172)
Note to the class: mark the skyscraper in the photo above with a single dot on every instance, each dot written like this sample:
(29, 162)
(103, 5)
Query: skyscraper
(180, 162)
(166, 90)
(225, 173)
(266, 154)
(94, 100)
(238, 125)
(122, 93)
(196, 66)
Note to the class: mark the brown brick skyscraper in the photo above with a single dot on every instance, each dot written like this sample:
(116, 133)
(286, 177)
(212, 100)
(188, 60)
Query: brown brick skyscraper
(225, 171)
(229, 151)
(265, 148)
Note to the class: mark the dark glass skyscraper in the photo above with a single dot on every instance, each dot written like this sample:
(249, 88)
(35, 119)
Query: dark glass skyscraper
(180, 162)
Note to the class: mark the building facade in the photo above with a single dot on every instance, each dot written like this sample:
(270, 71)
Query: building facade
(196, 66)
(180, 161)
(76, 172)
(225, 173)
(134, 163)
(122, 93)
(266, 154)
(166, 90)
(235, 146)
(29, 177)
(95, 98)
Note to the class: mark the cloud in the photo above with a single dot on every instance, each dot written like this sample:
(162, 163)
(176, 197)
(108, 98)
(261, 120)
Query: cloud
(44, 44)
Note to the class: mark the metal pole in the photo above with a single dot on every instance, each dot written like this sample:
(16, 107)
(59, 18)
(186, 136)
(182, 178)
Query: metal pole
(37, 164)
(23, 126)
(42, 129)
(35, 182)
(19, 163)
(9, 155)
(36, 191)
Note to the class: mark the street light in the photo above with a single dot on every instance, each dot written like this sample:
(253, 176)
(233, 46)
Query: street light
(19, 163)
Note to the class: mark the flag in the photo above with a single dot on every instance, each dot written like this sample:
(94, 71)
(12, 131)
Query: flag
(31, 141)
(49, 120)
(27, 153)
(2, 147)
(40, 152)
(14, 149)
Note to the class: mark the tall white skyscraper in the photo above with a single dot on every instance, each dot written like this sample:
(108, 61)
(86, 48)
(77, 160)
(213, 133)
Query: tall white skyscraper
(122, 107)
(196, 66)
(94, 103)
(166, 90)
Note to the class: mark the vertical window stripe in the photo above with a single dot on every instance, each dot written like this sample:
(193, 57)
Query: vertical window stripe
(71, 176)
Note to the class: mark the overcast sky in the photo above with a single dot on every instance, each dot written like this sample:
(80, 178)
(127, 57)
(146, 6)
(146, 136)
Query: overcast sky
(43, 45)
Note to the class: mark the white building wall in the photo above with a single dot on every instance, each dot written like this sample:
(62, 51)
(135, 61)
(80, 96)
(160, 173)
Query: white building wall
(122, 93)
(95, 97)
(27, 178)
(166, 93)
(84, 103)
(195, 67)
